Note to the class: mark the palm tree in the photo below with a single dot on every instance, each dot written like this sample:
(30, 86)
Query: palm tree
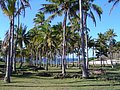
(57, 40)
(20, 6)
(118, 49)
(88, 8)
(77, 43)
(111, 42)
(44, 27)
(22, 39)
(57, 8)
(39, 18)
(48, 41)
(84, 69)
(91, 44)
(37, 39)
(85, 11)
(9, 9)
(101, 46)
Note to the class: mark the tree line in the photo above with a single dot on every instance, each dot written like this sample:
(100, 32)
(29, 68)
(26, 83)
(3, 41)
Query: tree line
(52, 41)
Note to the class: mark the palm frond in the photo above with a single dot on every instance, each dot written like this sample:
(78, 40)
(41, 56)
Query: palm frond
(49, 8)
(91, 15)
(98, 10)
(115, 2)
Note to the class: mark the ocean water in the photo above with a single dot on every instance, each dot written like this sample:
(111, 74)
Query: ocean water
(70, 60)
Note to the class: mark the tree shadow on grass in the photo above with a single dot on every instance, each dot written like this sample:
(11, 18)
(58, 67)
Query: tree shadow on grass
(29, 75)
(113, 76)
(23, 75)
(60, 85)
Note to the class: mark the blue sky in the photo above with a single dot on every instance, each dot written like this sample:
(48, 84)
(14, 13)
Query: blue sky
(107, 22)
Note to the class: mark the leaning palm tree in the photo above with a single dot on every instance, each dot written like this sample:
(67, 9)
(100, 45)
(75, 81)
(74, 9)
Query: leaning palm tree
(57, 8)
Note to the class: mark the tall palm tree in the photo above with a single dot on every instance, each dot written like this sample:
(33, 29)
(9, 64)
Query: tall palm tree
(85, 8)
(21, 5)
(9, 9)
(84, 69)
(57, 8)
(88, 11)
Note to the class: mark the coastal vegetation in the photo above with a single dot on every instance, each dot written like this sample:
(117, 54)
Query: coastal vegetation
(57, 56)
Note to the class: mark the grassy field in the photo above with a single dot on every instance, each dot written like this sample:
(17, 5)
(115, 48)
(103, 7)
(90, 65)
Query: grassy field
(32, 81)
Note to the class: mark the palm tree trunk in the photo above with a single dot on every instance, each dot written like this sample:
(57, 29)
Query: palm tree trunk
(86, 37)
(56, 59)
(8, 66)
(46, 61)
(21, 58)
(79, 53)
(15, 45)
(84, 69)
(8, 70)
(14, 63)
(111, 57)
(87, 62)
(36, 57)
(12, 46)
(31, 57)
(93, 54)
(64, 44)
(79, 61)
(73, 60)
(40, 57)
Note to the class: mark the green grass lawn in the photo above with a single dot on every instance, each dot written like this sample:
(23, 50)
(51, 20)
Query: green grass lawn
(109, 81)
